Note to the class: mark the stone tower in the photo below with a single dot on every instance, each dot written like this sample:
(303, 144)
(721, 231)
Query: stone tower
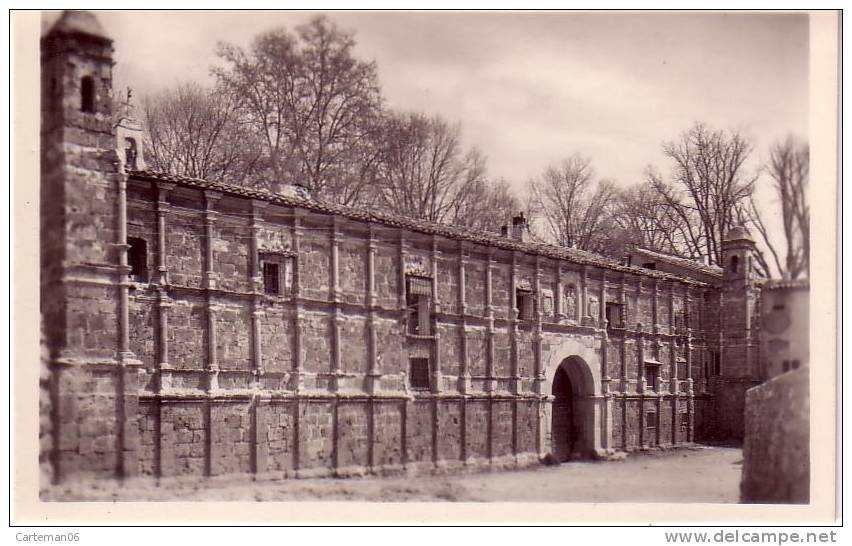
(83, 300)
(739, 293)
(738, 365)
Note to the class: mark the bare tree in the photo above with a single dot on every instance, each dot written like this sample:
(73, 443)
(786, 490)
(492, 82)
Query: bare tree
(424, 172)
(573, 206)
(789, 168)
(486, 206)
(313, 104)
(193, 131)
(641, 219)
(708, 186)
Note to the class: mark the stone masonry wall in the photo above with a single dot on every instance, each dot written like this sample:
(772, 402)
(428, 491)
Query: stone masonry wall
(239, 381)
(776, 450)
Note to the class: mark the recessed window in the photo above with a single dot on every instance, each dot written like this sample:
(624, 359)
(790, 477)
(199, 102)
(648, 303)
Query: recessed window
(272, 278)
(614, 315)
(735, 264)
(716, 363)
(680, 368)
(651, 421)
(524, 303)
(652, 376)
(684, 423)
(649, 265)
(419, 373)
(778, 306)
(87, 94)
(130, 153)
(277, 273)
(137, 259)
(418, 301)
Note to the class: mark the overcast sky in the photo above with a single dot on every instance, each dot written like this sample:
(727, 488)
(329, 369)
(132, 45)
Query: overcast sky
(532, 88)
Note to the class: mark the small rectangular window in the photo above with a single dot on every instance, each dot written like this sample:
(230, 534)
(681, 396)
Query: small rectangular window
(276, 269)
(137, 259)
(272, 278)
(649, 265)
(684, 422)
(651, 421)
(680, 368)
(778, 307)
(87, 94)
(652, 379)
(524, 301)
(419, 373)
(614, 315)
(716, 359)
(418, 299)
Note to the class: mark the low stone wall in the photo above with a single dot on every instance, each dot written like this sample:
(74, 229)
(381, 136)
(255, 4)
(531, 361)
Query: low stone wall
(776, 452)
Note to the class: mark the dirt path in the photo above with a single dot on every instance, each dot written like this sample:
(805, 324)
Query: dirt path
(705, 474)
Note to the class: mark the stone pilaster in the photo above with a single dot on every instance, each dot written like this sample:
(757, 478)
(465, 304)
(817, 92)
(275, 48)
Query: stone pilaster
(336, 317)
(623, 344)
(655, 316)
(437, 376)
(257, 313)
(210, 281)
(296, 381)
(212, 352)
(163, 209)
(558, 295)
(210, 216)
(489, 313)
(373, 374)
(640, 350)
(514, 322)
(538, 368)
(464, 371)
(601, 318)
(605, 379)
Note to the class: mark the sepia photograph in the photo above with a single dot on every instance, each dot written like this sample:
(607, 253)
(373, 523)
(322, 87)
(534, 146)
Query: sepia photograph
(410, 257)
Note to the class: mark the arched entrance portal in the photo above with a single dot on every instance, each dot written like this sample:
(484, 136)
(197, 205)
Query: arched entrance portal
(572, 410)
(563, 416)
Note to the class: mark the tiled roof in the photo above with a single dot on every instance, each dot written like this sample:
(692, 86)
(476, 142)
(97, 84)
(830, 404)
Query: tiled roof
(784, 284)
(685, 263)
(422, 226)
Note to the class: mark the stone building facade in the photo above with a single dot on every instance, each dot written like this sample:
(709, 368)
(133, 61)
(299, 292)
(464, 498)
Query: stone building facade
(196, 328)
(785, 326)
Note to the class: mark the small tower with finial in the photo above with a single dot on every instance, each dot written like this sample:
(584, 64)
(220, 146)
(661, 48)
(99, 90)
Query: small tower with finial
(128, 136)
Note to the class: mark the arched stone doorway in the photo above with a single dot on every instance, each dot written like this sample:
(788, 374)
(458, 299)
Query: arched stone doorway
(562, 429)
(572, 410)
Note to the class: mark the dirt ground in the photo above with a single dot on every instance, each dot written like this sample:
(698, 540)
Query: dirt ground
(699, 474)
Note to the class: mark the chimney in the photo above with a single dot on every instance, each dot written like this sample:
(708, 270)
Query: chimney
(520, 228)
(290, 189)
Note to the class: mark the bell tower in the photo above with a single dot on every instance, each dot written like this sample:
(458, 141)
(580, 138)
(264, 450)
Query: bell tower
(77, 142)
(83, 264)
(738, 366)
(739, 356)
